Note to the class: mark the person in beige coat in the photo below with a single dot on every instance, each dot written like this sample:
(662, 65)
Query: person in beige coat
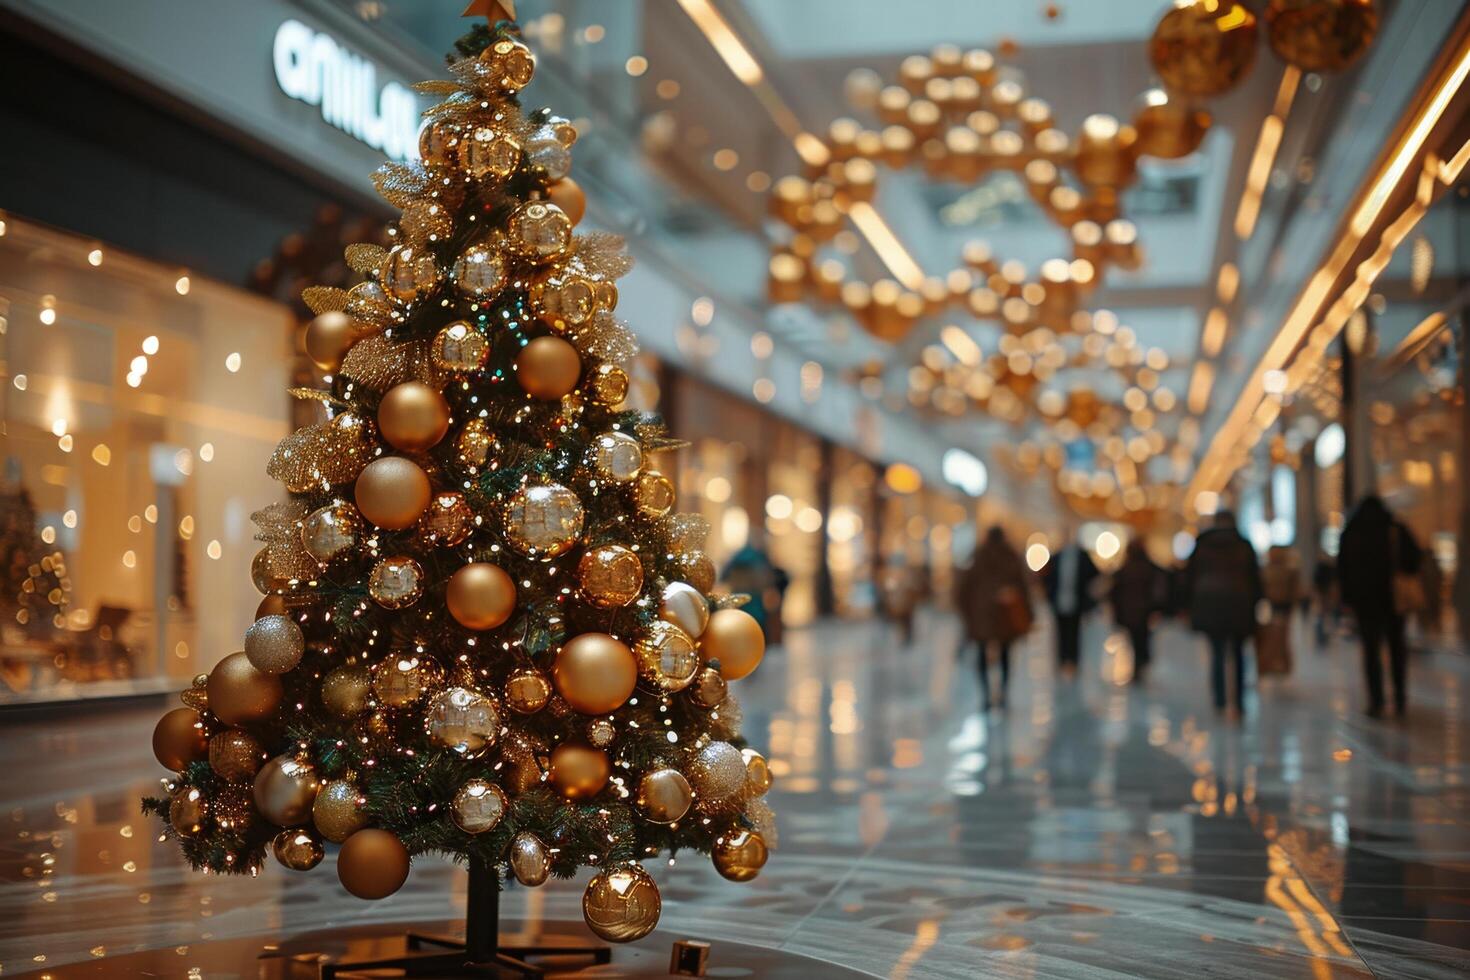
(993, 597)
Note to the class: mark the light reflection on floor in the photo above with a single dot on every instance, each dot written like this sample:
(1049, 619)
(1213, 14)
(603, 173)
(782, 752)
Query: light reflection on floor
(1090, 830)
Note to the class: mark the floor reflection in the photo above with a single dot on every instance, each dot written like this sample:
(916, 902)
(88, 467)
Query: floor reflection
(1091, 829)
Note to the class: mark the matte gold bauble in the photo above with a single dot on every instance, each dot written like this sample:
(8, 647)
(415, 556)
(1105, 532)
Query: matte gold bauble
(346, 689)
(402, 680)
(271, 605)
(463, 720)
(274, 644)
(610, 575)
(478, 273)
(664, 795)
(448, 521)
(1320, 35)
(338, 813)
(241, 695)
(410, 273)
(487, 152)
(718, 771)
(735, 639)
(540, 230)
(475, 444)
(187, 811)
(684, 606)
(543, 520)
(413, 417)
(655, 494)
(567, 194)
(696, 568)
(284, 789)
(579, 772)
(709, 688)
(666, 656)
(396, 582)
(235, 755)
(331, 532)
(621, 905)
(548, 368)
(460, 348)
(179, 739)
(298, 849)
(328, 338)
(757, 773)
(617, 456)
(1168, 128)
(595, 673)
(527, 690)
(480, 596)
(478, 806)
(372, 864)
(1204, 48)
(739, 855)
(529, 861)
(609, 385)
(392, 492)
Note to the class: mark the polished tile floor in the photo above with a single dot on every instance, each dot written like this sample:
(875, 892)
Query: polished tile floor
(1092, 830)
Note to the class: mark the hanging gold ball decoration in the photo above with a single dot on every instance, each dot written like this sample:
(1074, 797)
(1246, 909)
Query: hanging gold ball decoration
(373, 864)
(331, 532)
(274, 644)
(460, 348)
(595, 673)
(579, 772)
(338, 810)
(448, 521)
(739, 855)
(267, 574)
(369, 303)
(402, 680)
(548, 368)
(187, 810)
(413, 417)
(527, 690)
(480, 596)
(757, 773)
(529, 860)
(611, 575)
(235, 755)
(392, 492)
(543, 520)
(609, 385)
(475, 443)
(329, 336)
(664, 796)
(396, 582)
(1105, 152)
(567, 194)
(621, 905)
(1320, 35)
(617, 456)
(479, 272)
(478, 806)
(179, 739)
(486, 152)
(545, 150)
(655, 493)
(718, 771)
(539, 230)
(284, 790)
(241, 695)
(1167, 127)
(196, 695)
(666, 656)
(298, 849)
(709, 688)
(463, 720)
(736, 640)
(509, 63)
(437, 142)
(270, 605)
(410, 273)
(1204, 48)
(696, 568)
(684, 606)
(345, 691)
(563, 299)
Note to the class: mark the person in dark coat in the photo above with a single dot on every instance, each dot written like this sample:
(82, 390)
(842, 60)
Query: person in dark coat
(1223, 582)
(1139, 592)
(1375, 548)
(993, 597)
(1070, 576)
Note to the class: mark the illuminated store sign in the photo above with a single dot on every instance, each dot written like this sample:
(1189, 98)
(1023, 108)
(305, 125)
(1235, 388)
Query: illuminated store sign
(314, 68)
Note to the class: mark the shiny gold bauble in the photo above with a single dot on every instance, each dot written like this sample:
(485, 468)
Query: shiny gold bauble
(527, 690)
(1320, 35)
(413, 417)
(529, 860)
(274, 644)
(392, 492)
(757, 773)
(480, 596)
(696, 568)
(579, 772)
(545, 150)
(396, 582)
(684, 606)
(410, 273)
(664, 795)
(369, 302)
(179, 739)
(509, 63)
(437, 142)
(328, 338)
(610, 575)
(617, 456)
(666, 656)
(539, 230)
(459, 347)
(621, 905)
(235, 755)
(567, 194)
(284, 790)
(266, 574)
(463, 720)
(718, 771)
(478, 806)
(608, 385)
(487, 152)
(241, 695)
(601, 732)
(346, 689)
(373, 864)
(338, 813)
(739, 855)
(402, 680)
(1204, 48)
(655, 493)
(187, 810)
(331, 532)
(1167, 127)
(271, 605)
(563, 299)
(543, 520)
(298, 849)
(548, 368)
(196, 695)
(448, 521)
(1105, 152)
(475, 444)
(479, 272)
(734, 638)
(595, 673)
(425, 221)
(709, 688)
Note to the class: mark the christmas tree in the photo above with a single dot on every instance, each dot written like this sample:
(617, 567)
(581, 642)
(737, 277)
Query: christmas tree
(34, 587)
(485, 633)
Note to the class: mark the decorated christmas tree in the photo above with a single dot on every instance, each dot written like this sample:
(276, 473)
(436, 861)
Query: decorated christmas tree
(485, 632)
(34, 587)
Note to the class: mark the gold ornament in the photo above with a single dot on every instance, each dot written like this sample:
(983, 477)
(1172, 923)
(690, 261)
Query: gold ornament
(696, 568)
(337, 813)
(392, 492)
(284, 790)
(601, 732)
(1204, 48)
(666, 656)
(529, 861)
(525, 761)
(757, 773)
(373, 864)
(273, 604)
(328, 337)
(527, 690)
(401, 680)
(617, 456)
(548, 368)
(684, 606)
(413, 417)
(609, 385)
(1320, 35)
(299, 849)
(459, 347)
(508, 62)
(475, 443)
(1105, 152)
(610, 575)
(539, 230)
(487, 152)
(664, 796)
(478, 806)
(563, 299)
(543, 520)
(346, 689)
(718, 771)
(437, 143)
(595, 673)
(567, 194)
(448, 521)
(235, 755)
(368, 302)
(762, 818)
(425, 221)
(709, 688)
(736, 640)
(463, 720)
(267, 574)
(545, 149)
(739, 855)
(1168, 128)
(479, 273)
(579, 772)
(187, 811)
(396, 582)
(241, 695)
(410, 273)
(726, 719)
(331, 532)
(621, 905)
(655, 493)
(179, 739)
(323, 454)
(480, 596)
(274, 644)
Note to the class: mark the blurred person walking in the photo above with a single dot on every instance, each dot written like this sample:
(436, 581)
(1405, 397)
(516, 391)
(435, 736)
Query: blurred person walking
(994, 601)
(1378, 566)
(1223, 583)
(1139, 592)
(1070, 577)
(1281, 584)
(1324, 587)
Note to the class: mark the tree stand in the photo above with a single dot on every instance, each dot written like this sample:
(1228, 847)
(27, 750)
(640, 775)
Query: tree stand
(479, 953)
